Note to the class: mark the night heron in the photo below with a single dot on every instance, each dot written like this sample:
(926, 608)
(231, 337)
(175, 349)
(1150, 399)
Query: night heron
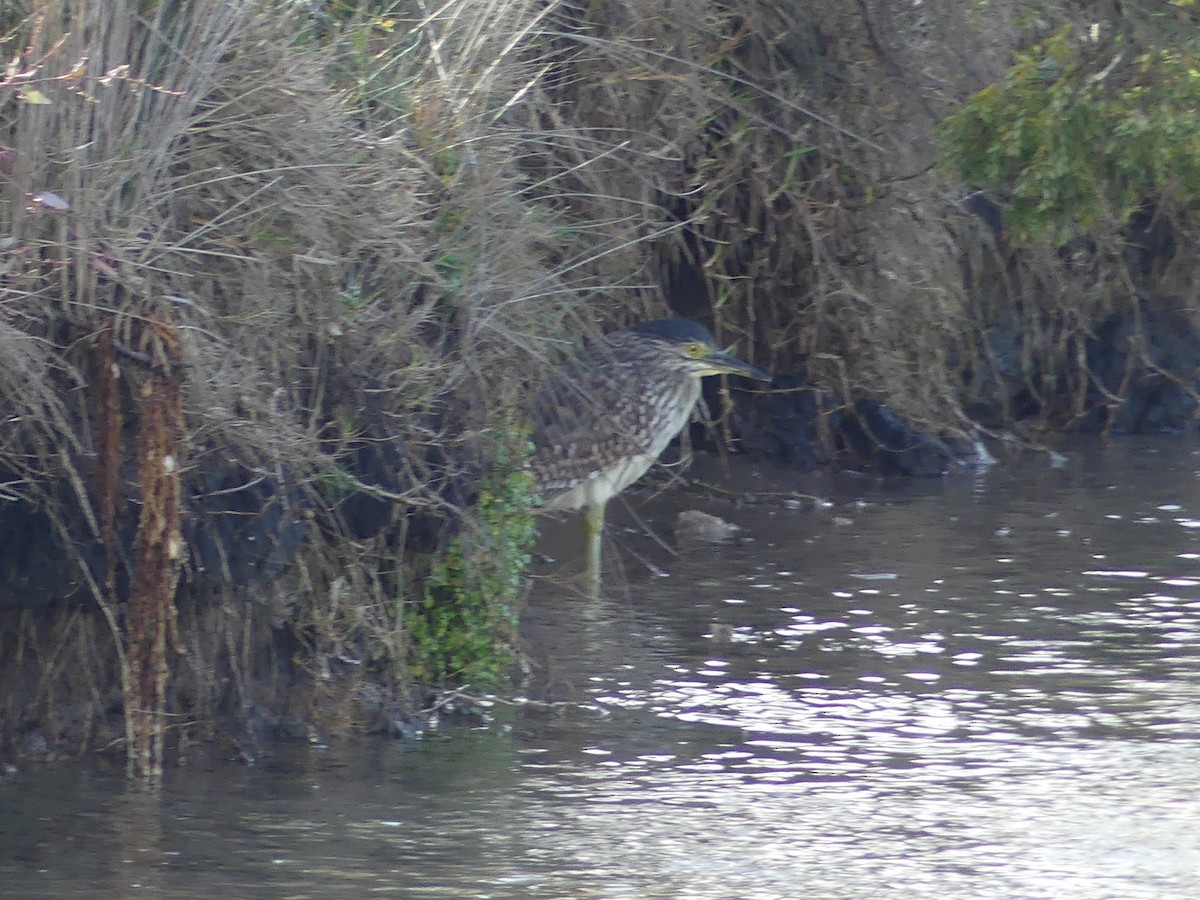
(605, 416)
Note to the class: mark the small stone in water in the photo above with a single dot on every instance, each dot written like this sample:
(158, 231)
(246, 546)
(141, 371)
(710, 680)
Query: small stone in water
(694, 525)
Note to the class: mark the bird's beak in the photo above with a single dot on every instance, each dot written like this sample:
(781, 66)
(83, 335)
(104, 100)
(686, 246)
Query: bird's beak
(728, 364)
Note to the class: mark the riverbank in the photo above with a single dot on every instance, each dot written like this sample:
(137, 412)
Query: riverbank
(276, 286)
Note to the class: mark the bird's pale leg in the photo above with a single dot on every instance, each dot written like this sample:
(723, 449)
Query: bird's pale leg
(593, 521)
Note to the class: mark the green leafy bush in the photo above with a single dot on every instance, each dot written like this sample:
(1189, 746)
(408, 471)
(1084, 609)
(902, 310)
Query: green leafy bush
(1073, 140)
(463, 627)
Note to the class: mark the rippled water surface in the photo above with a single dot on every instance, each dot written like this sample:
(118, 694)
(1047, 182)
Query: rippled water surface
(988, 687)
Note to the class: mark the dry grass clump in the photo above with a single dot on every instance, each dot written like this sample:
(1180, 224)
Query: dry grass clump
(770, 181)
(197, 202)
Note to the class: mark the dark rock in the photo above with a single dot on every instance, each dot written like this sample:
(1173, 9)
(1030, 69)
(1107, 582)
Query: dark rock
(1149, 360)
(979, 204)
(35, 746)
(386, 466)
(887, 443)
(238, 526)
(784, 425)
(376, 465)
(241, 526)
(35, 569)
(398, 723)
(799, 427)
(1149, 243)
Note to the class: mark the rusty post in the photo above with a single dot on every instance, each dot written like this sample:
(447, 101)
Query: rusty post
(158, 550)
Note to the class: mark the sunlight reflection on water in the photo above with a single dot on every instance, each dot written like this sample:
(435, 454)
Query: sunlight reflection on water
(1023, 726)
(985, 690)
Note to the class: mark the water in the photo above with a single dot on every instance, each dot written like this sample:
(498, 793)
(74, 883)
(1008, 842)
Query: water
(984, 688)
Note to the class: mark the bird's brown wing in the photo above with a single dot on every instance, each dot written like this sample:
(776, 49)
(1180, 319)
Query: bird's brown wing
(577, 428)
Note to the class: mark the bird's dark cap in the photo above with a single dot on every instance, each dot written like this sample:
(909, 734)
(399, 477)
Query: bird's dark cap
(676, 330)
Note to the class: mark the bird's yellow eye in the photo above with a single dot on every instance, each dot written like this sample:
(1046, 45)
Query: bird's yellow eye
(695, 349)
